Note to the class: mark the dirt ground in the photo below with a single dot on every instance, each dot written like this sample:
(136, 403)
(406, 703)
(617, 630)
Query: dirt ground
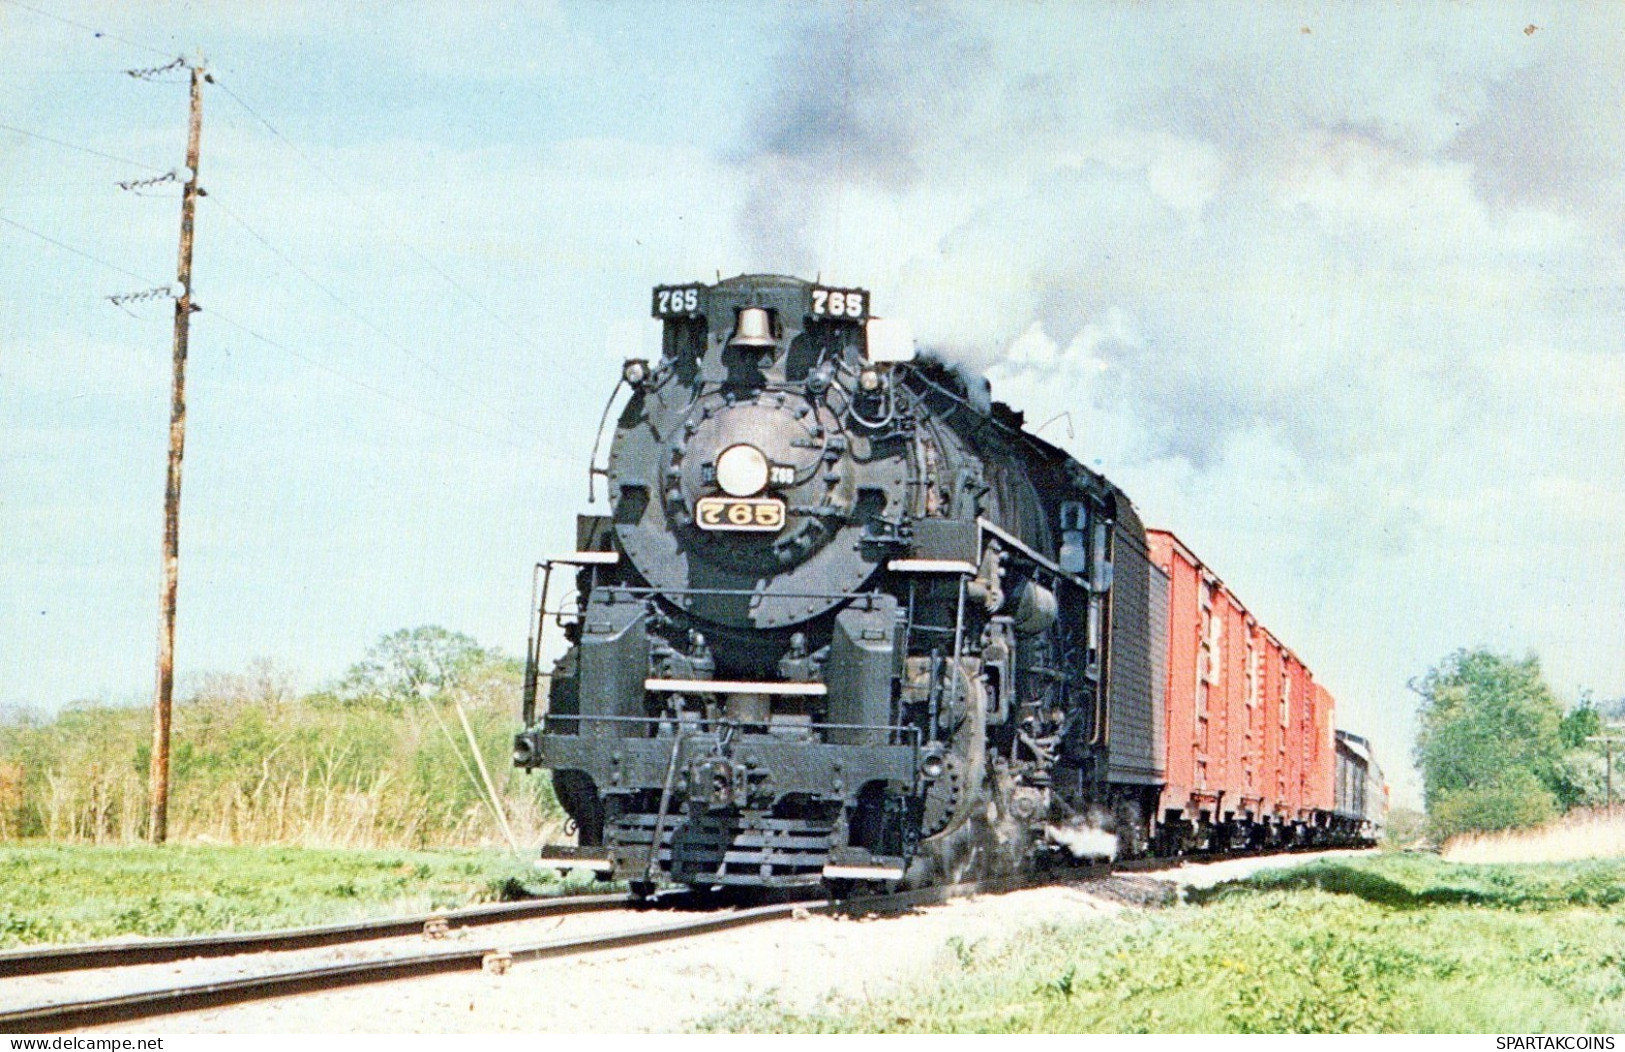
(666, 988)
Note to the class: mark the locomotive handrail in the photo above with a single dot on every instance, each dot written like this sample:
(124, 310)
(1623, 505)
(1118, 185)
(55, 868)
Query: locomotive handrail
(1027, 551)
(541, 581)
(588, 559)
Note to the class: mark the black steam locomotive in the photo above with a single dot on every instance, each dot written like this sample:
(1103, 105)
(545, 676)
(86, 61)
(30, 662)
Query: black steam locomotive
(845, 619)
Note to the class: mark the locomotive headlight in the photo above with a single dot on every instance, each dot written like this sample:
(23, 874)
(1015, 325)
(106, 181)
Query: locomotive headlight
(869, 379)
(742, 471)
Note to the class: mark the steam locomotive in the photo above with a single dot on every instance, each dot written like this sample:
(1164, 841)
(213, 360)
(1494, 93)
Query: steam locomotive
(846, 621)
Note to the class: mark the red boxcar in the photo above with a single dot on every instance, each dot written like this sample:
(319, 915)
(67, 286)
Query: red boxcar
(1250, 756)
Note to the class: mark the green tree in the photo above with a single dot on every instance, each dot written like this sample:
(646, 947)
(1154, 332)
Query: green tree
(1491, 746)
(410, 664)
(1581, 722)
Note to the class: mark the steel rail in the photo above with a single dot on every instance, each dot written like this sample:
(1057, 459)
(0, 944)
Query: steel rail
(160, 951)
(62, 1016)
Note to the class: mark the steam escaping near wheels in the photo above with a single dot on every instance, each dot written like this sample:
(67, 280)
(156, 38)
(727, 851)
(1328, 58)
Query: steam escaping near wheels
(1084, 840)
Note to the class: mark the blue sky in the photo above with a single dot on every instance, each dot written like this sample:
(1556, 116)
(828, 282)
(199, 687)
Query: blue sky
(1333, 290)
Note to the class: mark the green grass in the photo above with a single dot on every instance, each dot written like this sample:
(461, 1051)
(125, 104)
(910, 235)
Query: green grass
(63, 893)
(1394, 943)
(1417, 881)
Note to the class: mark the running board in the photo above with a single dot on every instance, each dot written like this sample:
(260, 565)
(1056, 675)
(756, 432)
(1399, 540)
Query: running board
(953, 566)
(726, 686)
(595, 859)
(834, 872)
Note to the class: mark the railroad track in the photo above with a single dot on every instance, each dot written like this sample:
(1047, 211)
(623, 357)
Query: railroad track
(63, 1016)
(161, 951)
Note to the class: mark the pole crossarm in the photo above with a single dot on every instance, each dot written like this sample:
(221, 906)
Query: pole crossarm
(144, 184)
(151, 72)
(161, 292)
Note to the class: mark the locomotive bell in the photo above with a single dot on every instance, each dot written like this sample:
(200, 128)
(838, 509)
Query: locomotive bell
(755, 329)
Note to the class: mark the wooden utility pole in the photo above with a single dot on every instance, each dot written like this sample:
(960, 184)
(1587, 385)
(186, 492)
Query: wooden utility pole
(158, 773)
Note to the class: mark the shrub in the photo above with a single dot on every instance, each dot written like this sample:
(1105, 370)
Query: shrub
(253, 762)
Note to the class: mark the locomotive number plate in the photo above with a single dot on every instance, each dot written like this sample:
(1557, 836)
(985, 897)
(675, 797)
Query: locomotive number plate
(678, 301)
(758, 514)
(840, 303)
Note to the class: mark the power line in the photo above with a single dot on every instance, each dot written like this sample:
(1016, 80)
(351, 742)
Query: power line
(323, 366)
(420, 256)
(69, 248)
(359, 318)
(99, 33)
(74, 146)
(364, 385)
(376, 391)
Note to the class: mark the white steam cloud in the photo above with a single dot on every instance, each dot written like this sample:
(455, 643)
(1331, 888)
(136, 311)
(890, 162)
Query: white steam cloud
(1084, 841)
